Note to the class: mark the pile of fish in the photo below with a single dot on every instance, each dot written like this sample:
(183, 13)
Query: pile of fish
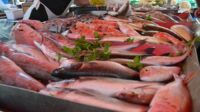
(142, 73)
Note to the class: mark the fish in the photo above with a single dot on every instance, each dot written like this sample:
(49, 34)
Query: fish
(162, 16)
(122, 61)
(165, 60)
(38, 68)
(127, 29)
(114, 19)
(110, 23)
(93, 98)
(95, 68)
(163, 29)
(158, 49)
(30, 50)
(184, 31)
(13, 75)
(126, 46)
(50, 54)
(167, 37)
(116, 88)
(150, 39)
(35, 24)
(58, 39)
(174, 97)
(124, 49)
(127, 54)
(155, 60)
(110, 39)
(149, 33)
(24, 34)
(50, 44)
(158, 73)
(141, 95)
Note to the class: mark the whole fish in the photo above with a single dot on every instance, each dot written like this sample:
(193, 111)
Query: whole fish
(28, 50)
(155, 60)
(127, 29)
(167, 37)
(24, 34)
(38, 68)
(126, 46)
(174, 97)
(93, 98)
(125, 50)
(161, 16)
(126, 90)
(158, 49)
(158, 73)
(163, 29)
(165, 60)
(11, 74)
(95, 68)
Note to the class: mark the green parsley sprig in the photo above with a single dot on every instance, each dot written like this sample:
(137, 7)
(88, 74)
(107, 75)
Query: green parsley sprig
(136, 64)
(89, 51)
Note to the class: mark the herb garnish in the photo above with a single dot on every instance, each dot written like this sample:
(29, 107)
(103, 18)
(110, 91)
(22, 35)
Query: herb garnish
(136, 64)
(130, 40)
(149, 18)
(89, 51)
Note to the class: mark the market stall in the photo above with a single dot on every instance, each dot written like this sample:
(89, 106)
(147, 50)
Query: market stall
(139, 57)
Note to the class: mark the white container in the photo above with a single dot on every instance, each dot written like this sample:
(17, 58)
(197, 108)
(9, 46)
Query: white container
(14, 14)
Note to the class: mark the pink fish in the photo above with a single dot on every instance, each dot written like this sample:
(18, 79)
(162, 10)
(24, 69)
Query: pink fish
(127, 29)
(174, 97)
(11, 74)
(158, 73)
(24, 34)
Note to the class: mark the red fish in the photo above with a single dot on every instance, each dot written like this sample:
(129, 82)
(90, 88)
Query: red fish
(93, 98)
(158, 49)
(24, 34)
(174, 97)
(165, 60)
(11, 74)
(158, 73)
(37, 25)
(127, 29)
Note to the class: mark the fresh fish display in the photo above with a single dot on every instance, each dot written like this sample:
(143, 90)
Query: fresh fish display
(121, 64)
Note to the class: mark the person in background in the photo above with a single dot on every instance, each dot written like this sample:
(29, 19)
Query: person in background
(46, 9)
